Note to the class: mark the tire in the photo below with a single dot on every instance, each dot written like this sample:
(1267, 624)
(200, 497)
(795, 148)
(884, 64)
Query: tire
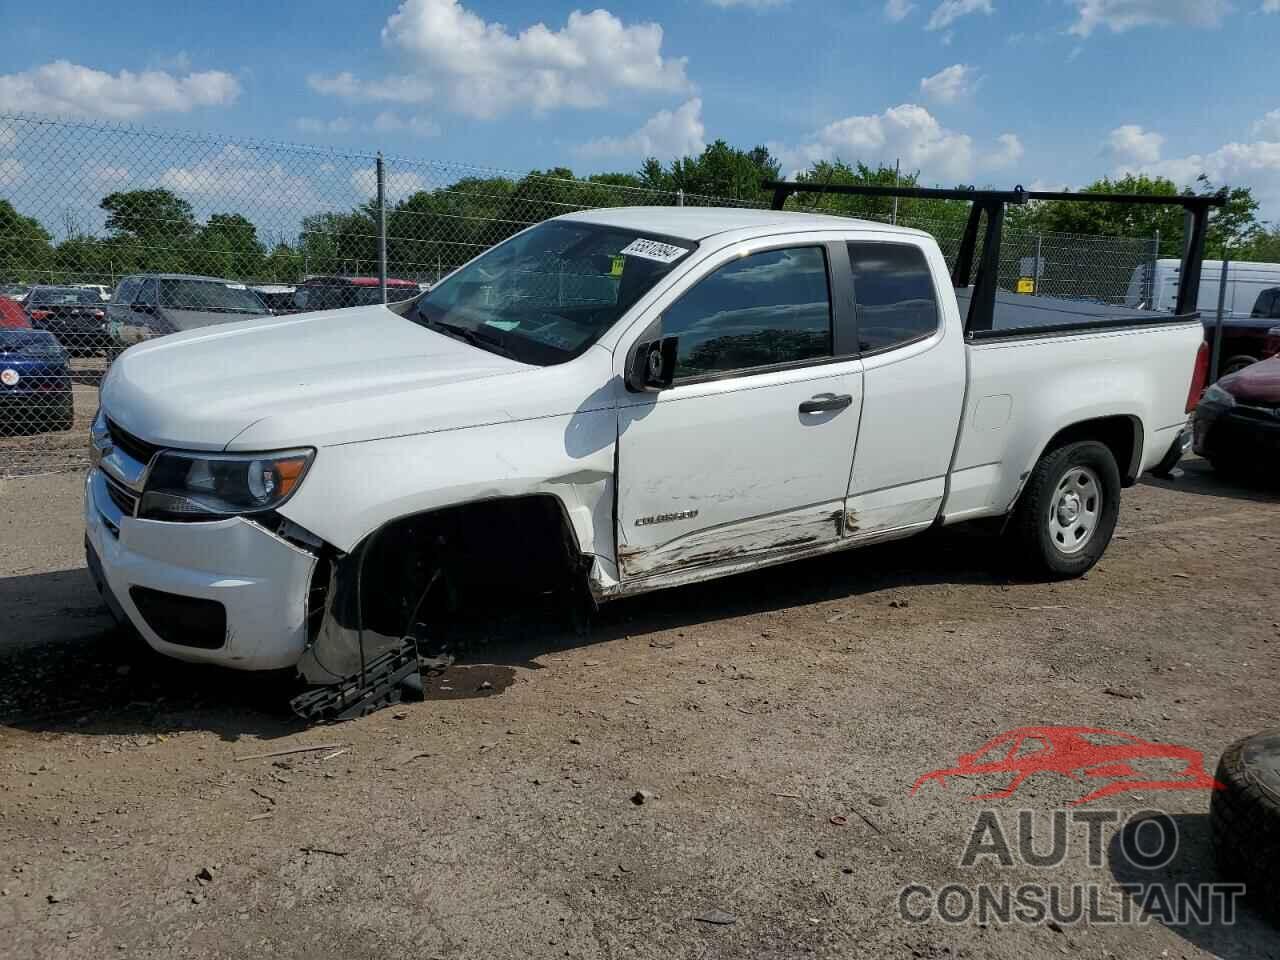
(1068, 510)
(1236, 364)
(1244, 818)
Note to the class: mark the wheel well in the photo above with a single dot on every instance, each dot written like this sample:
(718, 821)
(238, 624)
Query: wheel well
(492, 553)
(1121, 434)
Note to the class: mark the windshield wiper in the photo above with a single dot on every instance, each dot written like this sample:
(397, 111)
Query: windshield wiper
(470, 336)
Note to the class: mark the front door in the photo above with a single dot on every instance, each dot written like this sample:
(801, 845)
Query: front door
(748, 454)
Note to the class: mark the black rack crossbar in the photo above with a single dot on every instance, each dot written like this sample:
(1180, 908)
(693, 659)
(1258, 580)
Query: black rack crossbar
(993, 203)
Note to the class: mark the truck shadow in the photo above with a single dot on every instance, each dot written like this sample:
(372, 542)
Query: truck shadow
(1197, 477)
(1230, 930)
(66, 667)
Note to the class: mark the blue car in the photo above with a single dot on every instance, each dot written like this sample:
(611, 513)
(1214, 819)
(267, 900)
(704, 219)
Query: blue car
(35, 383)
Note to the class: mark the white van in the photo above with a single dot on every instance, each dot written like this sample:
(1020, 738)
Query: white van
(1245, 281)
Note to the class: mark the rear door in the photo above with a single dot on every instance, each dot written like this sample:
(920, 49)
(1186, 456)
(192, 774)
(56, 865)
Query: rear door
(913, 382)
(747, 455)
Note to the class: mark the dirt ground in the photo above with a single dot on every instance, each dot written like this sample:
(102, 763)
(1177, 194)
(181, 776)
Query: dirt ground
(777, 722)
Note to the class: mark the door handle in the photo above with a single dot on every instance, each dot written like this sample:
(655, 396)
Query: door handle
(826, 401)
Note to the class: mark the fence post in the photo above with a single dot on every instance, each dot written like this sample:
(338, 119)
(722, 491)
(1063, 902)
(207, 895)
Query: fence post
(1217, 331)
(680, 197)
(1039, 241)
(382, 228)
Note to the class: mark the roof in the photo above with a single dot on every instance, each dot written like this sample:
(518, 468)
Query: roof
(178, 276)
(697, 223)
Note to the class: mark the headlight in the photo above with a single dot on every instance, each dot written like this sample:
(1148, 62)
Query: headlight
(193, 486)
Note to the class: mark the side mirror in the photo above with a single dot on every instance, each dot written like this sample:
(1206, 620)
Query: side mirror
(653, 365)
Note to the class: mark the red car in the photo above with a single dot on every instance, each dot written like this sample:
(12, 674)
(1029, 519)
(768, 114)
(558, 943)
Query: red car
(1236, 425)
(12, 316)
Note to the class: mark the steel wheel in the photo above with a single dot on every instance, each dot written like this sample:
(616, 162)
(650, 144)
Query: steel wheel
(1074, 509)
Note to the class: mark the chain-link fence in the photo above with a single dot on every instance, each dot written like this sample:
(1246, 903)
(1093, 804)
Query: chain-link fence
(110, 234)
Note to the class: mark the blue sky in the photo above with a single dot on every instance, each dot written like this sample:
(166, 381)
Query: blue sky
(1045, 92)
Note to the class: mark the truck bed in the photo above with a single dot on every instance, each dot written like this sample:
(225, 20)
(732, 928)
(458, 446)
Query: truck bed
(1014, 311)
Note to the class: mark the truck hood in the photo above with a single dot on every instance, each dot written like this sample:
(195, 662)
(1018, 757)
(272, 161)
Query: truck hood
(306, 379)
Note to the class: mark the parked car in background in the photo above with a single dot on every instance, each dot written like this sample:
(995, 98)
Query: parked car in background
(334, 293)
(103, 292)
(1237, 422)
(35, 383)
(75, 316)
(277, 296)
(12, 315)
(14, 291)
(148, 305)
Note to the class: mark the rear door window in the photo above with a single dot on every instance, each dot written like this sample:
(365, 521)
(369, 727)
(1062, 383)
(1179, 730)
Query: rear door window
(770, 308)
(894, 293)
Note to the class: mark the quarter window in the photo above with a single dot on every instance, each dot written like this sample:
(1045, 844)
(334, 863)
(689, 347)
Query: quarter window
(893, 290)
(768, 308)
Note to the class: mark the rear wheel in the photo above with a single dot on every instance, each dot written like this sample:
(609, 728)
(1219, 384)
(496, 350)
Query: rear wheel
(1068, 509)
(1236, 364)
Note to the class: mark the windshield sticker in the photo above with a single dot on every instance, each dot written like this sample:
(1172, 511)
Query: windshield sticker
(653, 250)
(619, 262)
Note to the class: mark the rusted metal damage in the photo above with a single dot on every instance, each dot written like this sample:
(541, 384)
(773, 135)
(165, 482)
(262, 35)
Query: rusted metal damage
(402, 600)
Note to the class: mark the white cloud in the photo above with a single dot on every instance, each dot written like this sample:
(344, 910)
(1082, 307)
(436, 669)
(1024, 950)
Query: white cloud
(67, 89)
(232, 171)
(749, 4)
(1133, 146)
(311, 125)
(1270, 6)
(1255, 165)
(907, 132)
(1121, 15)
(12, 171)
(1268, 128)
(394, 89)
(482, 70)
(399, 183)
(899, 10)
(951, 84)
(1008, 151)
(103, 173)
(388, 121)
(949, 11)
(665, 135)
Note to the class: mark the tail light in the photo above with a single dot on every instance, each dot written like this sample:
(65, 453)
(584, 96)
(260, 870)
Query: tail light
(41, 314)
(99, 314)
(1199, 377)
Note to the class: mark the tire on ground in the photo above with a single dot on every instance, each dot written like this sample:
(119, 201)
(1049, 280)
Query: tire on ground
(1030, 526)
(1244, 818)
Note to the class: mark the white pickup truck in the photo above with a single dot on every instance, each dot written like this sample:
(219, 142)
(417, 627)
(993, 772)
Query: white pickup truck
(608, 403)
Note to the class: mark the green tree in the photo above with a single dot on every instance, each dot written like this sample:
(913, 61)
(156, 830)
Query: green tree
(24, 245)
(227, 246)
(719, 171)
(149, 215)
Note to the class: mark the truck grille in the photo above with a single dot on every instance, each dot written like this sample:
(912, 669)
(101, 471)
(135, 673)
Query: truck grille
(130, 445)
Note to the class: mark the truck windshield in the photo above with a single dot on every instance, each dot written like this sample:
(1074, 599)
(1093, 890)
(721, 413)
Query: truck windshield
(546, 295)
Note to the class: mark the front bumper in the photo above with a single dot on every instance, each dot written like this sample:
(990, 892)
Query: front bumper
(1246, 433)
(260, 580)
